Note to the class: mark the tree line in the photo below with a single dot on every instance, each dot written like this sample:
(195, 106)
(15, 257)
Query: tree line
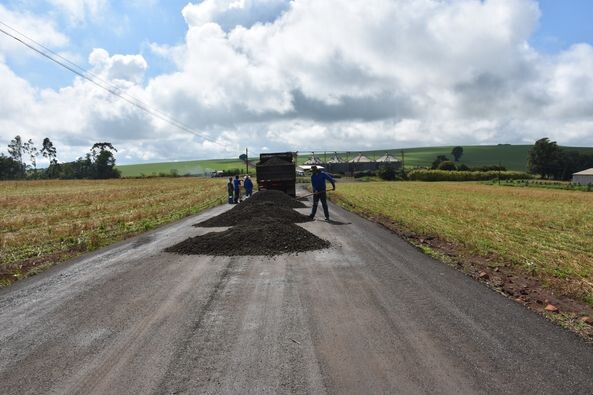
(546, 159)
(550, 161)
(21, 162)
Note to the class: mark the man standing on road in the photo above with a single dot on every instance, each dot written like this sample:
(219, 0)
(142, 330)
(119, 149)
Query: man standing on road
(318, 179)
(230, 189)
(248, 185)
(237, 184)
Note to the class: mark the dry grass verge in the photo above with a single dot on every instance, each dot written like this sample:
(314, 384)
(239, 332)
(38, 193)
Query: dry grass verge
(45, 222)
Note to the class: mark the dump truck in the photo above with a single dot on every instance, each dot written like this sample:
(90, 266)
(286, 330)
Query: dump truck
(277, 171)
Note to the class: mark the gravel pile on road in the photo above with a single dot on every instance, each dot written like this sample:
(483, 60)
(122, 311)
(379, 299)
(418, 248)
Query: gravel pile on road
(276, 197)
(258, 238)
(261, 225)
(272, 205)
(249, 213)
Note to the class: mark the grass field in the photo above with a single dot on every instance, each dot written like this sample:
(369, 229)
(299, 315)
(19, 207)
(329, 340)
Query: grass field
(545, 232)
(44, 222)
(192, 167)
(513, 157)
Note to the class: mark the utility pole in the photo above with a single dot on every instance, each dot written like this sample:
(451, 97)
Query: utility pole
(247, 161)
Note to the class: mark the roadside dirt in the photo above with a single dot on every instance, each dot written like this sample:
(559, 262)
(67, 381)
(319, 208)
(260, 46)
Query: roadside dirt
(10, 273)
(507, 279)
(515, 283)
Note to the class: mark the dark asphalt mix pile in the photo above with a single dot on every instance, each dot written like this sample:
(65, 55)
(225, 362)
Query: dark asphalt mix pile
(270, 206)
(275, 197)
(262, 225)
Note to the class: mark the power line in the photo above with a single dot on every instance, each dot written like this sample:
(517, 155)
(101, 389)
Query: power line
(86, 72)
(61, 57)
(92, 78)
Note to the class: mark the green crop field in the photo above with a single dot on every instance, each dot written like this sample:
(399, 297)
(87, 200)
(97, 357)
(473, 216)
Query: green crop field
(544, 232)
(513, 157)
(192, 167)
(44, 222)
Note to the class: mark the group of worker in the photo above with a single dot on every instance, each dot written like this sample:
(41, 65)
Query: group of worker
(234, 188)
(318, 182)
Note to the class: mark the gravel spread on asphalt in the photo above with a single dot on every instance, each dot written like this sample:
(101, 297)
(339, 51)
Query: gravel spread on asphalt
(261, 225)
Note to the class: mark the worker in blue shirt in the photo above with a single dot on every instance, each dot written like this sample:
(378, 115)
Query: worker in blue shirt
(318, 179)
(248, 186)
(237, 184)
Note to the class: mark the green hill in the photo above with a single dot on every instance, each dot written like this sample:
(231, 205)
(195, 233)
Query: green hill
(193, 167)
(513, 157)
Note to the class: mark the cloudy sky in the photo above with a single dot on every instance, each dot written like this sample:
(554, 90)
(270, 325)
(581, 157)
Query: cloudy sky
(299, 75)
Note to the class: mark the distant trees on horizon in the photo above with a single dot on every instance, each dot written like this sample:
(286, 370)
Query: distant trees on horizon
(457, 152)
(21, 162)
(548, 160)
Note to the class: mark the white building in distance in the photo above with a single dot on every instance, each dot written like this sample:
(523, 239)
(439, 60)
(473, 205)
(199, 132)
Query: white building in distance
(360, 158)
(583, 177)
(388, 158)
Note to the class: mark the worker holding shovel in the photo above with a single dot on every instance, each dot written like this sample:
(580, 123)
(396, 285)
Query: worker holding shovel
(318, 179)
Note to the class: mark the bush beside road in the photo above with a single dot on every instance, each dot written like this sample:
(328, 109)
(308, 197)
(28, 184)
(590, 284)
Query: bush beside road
(452, 175)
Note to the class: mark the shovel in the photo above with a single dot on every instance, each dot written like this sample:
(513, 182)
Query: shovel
(311, 194)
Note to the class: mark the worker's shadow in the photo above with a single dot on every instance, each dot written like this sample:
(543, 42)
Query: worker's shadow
(334, 222)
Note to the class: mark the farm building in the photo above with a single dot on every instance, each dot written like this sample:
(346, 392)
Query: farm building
(360, 158)
(360, 162)
(313, 160)
(388, 158)
(336, 159)
(584, 177)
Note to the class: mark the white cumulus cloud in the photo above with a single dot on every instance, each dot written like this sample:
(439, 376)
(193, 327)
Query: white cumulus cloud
(231, 13)
(78, 11)
(328, 75)
(37, 28)
(118, 67)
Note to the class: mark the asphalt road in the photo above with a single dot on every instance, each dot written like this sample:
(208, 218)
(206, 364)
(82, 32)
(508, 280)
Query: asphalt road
(369, 315)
